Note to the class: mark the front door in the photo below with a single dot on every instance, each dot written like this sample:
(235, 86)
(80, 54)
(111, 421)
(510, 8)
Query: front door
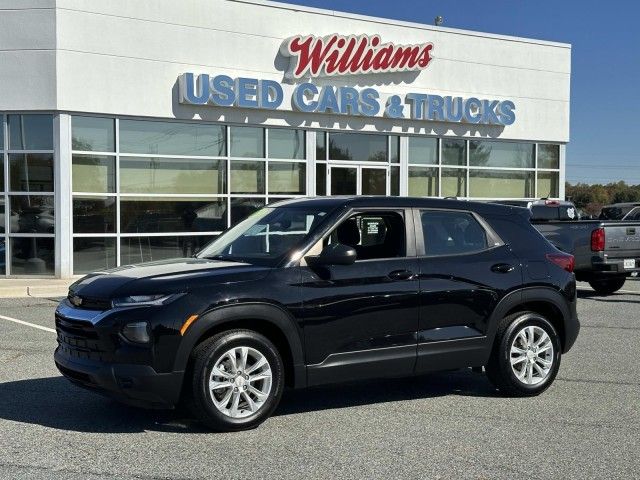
(361, 319)
(357, 180)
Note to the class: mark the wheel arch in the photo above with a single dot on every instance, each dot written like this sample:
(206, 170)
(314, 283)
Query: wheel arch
(542, 300)
(270, 320)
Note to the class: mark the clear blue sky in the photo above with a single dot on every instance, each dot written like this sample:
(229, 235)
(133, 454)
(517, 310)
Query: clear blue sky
(605, 81)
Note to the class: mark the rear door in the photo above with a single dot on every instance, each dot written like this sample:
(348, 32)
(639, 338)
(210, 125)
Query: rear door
(465, 270)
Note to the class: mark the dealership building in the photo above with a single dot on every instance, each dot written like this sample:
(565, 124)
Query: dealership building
(139, 130)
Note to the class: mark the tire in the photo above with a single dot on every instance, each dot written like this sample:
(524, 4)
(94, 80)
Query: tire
(509, 380)
(607, 286)
(216, 352)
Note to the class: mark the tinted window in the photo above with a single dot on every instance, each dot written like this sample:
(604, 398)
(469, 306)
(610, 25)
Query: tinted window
(358, 146)
(372, 235)
(450, 233)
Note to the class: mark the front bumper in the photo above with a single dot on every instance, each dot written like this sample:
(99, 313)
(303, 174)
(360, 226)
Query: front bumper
(138, 385)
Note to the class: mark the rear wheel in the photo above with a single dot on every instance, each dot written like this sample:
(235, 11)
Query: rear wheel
(237, 380)
(526, 355)
(607, 286)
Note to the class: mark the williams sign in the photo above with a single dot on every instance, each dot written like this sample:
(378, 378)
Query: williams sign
(311, 56)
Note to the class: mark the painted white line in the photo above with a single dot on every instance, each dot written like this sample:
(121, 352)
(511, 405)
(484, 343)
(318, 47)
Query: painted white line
(22, 322)
(587, 289)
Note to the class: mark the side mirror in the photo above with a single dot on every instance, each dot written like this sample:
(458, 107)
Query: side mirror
(334, 254)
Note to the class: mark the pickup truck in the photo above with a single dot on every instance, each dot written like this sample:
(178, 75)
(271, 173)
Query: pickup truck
(606, 251)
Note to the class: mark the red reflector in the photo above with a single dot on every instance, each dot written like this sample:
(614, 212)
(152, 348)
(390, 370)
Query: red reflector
(597, 240)
(563, 260)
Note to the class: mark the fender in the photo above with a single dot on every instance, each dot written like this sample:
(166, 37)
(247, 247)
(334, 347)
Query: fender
(273, 314)
(526, 295)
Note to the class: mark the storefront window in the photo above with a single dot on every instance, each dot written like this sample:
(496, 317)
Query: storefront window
(31, 172)
(395, 181)
(360, 147)
(247, 142)
(247, 177)
(454, 152)
(32, 214)
(321, 179)
(287, 144)
(453, 182)
(548, 156)
(172, 175)
(394, 149)
(94, 214)
(501, 154)
(32, 256)
(423, 182)
(321, 146)
(423, 150)
(93, 134)
(287, 178)
(548, 184)
(500, 184)
(94, 173)
(172, 138)
(93, 254)
(30, 132)
(171, 214)
(243, 207)
(148, 249)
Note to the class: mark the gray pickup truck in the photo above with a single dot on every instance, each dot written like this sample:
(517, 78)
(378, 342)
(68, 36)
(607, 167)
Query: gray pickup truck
(606, 251)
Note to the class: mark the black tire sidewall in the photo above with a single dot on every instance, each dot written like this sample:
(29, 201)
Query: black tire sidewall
(525, 320)
(202, 371)
(607, 286)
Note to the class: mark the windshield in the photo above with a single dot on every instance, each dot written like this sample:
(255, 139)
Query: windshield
(266, 236)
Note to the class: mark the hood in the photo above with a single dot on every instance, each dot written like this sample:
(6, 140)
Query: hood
(164, 276)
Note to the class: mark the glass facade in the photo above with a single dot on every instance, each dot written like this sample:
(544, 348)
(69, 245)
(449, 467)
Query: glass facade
(145, 190)
(27, 201)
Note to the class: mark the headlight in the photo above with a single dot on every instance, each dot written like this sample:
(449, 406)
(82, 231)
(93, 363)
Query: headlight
(145, 300)
(137, 332)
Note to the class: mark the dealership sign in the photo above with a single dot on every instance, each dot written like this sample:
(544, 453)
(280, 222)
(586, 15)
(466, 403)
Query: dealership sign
(311, 56)
(242, 92)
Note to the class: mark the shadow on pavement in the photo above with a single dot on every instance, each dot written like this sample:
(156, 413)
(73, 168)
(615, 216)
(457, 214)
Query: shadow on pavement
(613, 298)
(54, 402)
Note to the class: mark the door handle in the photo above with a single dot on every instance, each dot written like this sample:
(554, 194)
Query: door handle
(502, 268)
(401, 275)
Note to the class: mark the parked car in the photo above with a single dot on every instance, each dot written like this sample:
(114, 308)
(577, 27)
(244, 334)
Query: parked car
(621, 211)
(330, 289)
(606, 252)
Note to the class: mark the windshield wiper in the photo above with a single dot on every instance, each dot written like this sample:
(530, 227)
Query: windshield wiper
(223, 257)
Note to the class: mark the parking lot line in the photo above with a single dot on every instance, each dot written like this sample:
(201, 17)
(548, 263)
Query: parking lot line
(22, 322)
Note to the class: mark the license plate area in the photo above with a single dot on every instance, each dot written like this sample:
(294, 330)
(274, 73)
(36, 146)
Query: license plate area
(629, 263)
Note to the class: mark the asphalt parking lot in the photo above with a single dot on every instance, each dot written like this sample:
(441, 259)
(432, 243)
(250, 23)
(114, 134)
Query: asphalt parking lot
(448, 425)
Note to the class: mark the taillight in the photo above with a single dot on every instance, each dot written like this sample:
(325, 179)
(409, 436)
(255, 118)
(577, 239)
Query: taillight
(597, 240)
(563, 260)
(551, 203)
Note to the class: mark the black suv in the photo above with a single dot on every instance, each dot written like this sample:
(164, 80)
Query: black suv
(315, 291)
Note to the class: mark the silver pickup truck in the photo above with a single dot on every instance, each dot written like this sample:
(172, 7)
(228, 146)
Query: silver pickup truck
(606, 251)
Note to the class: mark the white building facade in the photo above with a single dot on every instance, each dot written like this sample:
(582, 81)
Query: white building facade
(137, 131)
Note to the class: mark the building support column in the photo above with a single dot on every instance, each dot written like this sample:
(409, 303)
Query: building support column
(563, 171)
(63, 206)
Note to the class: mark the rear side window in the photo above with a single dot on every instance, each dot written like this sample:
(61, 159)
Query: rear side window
(451, 233)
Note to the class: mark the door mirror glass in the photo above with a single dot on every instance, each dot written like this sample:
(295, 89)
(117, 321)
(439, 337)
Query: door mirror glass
(333, 254)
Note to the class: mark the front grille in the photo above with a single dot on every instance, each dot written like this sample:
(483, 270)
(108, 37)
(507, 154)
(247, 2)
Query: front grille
(80, 339)
(89, 303)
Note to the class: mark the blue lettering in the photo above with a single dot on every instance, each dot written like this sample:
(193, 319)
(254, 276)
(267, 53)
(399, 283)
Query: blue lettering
(506, 112)
(472, 113)
(435, 108)
(271, 94)
(299, 94)
(247, 90)
(349, 101)
(488, 112)
(369, 105)
(222, 91)
(328, 100)
(417, 101)
(453, 109)
(194, 90)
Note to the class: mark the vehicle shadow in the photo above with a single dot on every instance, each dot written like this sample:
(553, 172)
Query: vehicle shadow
(591, 295)
(55, 403)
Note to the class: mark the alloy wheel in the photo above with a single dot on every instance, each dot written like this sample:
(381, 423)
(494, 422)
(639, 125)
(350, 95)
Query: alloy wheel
(531, 355)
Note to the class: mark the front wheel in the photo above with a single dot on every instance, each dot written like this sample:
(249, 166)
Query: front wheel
(237, 380)
(526, 355)
(607, 286)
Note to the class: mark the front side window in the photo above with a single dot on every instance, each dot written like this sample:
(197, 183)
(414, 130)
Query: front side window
(452, 233)
(266, 236)
(373, 235)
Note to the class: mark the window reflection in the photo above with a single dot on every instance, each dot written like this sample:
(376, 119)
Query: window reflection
(241, 208)
(147, 249)
(150, 215)
(30, 132)
(548, 156)
(94, 173)
(284, 143)
(358, 146)
(32, 256)
(31, 214)
(93, 134)
(30, 172)
(247, 142)
(423, 150)
(501, 154)
(285, 178)
(93, 254)
(94, 214)
(454, 152)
